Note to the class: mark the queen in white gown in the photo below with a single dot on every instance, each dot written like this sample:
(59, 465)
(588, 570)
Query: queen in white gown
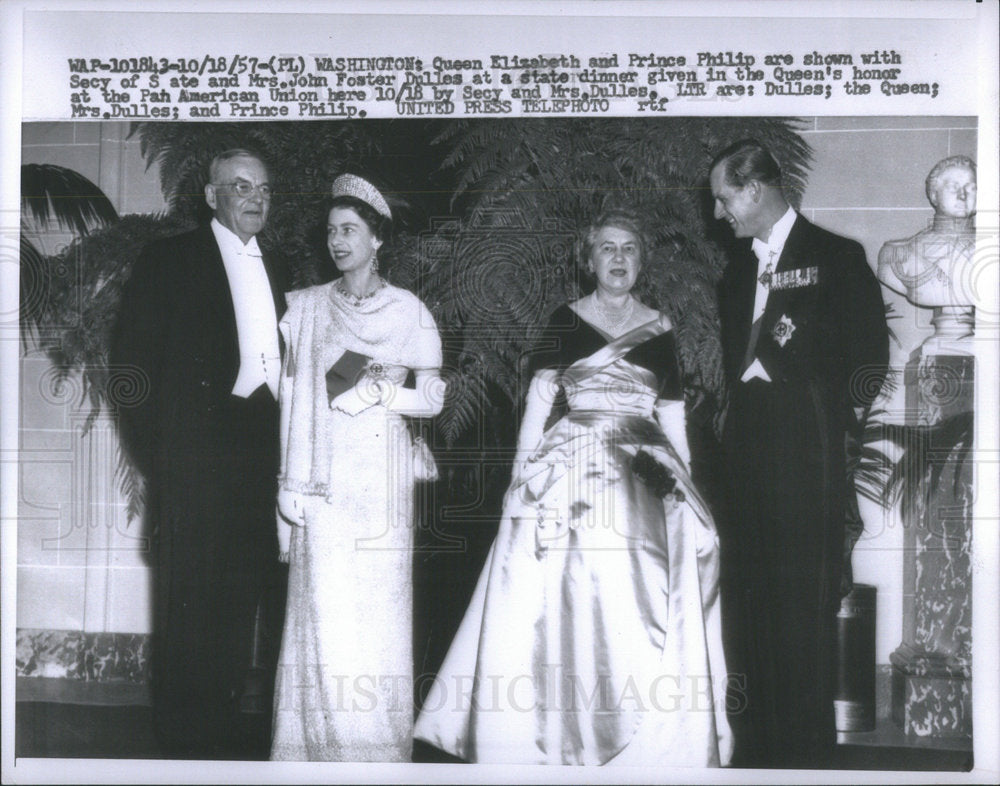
(345, 673)
(593, 635)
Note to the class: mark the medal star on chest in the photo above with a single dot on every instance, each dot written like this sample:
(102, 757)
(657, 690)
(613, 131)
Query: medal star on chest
(783, 330)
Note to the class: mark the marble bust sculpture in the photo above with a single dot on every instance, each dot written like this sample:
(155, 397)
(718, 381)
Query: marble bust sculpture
(933, 268)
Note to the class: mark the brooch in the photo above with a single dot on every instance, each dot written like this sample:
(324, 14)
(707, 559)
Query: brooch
(782, 330)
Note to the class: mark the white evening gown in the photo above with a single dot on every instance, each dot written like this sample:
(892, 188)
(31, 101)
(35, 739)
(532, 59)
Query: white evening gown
(345, 673)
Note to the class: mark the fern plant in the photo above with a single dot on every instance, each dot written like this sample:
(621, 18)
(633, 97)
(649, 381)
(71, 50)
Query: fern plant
(523, 188)
(496, 256)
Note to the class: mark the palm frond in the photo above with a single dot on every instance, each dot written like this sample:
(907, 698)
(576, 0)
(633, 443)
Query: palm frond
(33, 286)
(55, 193)
(868, 465)
(926, 451)
(132, 486)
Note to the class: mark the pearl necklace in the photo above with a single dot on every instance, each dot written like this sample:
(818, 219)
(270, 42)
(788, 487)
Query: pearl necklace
(357, 300)
(614, 321)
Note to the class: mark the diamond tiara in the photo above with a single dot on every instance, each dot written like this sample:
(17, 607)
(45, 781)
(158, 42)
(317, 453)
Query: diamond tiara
(359, 188)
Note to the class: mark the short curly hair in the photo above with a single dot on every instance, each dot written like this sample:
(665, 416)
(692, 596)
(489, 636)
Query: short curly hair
(620, 217)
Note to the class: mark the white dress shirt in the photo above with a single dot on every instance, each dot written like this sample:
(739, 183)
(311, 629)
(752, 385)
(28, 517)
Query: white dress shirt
(768, 253)
(256, 320)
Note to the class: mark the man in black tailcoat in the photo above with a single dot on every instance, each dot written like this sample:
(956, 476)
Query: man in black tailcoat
(805, 348)
(198, 326)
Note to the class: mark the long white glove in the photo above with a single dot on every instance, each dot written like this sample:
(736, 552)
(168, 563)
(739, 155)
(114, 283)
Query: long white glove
(424, 401)
(538, 404)
(291, 512)
(673, 421)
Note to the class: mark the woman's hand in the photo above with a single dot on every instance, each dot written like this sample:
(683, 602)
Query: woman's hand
(423, 401)
(355, 400)
(291, 507)
(381, 389)
(291, 512)
(522, 462)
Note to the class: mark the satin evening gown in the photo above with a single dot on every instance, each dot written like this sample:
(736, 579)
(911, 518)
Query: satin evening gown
(593, 635)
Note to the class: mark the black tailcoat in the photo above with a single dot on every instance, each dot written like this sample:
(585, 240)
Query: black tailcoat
(210, 460)
(824, 343)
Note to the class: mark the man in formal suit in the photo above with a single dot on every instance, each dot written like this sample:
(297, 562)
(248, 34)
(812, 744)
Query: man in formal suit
(198, 324)
(805, 348)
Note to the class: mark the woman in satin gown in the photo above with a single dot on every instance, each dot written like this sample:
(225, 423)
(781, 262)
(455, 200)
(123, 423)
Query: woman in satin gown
(593, 635)
(344, 683)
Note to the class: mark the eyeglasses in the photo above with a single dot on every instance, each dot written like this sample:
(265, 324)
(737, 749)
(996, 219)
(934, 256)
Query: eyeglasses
(245, 188)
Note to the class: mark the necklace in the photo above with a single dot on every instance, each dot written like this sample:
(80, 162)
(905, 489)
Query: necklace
(612, 319)
(357, 300)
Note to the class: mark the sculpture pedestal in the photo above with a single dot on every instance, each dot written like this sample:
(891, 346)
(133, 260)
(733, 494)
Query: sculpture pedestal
(931, 695)
(931, 679)
(953, 327)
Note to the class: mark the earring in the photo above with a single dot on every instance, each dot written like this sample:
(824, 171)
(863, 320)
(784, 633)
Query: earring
(374, 263)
